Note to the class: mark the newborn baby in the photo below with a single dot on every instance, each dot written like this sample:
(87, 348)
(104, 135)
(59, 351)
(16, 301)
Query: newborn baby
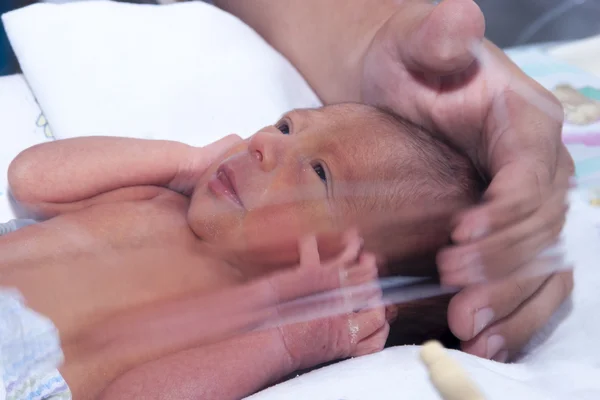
(132, 225)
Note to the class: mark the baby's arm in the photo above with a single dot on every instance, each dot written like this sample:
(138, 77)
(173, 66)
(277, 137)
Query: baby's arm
(239, 366)
(66, 175)
(228, 370)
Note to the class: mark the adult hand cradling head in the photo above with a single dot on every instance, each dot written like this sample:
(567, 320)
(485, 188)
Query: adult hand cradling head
(415, 58)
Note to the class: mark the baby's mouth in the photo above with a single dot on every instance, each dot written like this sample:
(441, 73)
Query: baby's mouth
(223, 184)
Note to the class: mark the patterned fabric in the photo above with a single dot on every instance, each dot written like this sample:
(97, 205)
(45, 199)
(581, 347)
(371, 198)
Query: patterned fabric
(29, 353)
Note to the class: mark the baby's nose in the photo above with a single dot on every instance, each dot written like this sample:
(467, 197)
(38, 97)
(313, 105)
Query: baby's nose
(267, 148)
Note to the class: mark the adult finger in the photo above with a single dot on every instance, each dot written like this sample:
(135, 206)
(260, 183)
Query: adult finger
(447, 31)
(522, 149)
(501, 253)
(508, 336)
(516, 192)
(478, 306)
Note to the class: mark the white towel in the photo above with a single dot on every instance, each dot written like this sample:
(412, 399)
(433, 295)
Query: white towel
(187, 72)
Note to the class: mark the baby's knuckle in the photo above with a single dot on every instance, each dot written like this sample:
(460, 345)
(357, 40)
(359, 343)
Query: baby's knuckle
(381, 317)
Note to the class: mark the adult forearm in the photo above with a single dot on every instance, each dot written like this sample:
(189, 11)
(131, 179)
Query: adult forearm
(324, 39)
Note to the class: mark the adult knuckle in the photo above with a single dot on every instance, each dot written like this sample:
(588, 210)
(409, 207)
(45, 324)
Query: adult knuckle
(557, 228)
(518, 291)
(567, 283)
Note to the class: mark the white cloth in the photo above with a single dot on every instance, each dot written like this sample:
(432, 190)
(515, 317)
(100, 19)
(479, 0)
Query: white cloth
(187, 72)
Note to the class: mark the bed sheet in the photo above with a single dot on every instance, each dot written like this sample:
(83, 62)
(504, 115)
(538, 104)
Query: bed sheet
(579, 92)
(22, 125)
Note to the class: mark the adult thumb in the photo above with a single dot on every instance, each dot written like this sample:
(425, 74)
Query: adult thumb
(437, 39)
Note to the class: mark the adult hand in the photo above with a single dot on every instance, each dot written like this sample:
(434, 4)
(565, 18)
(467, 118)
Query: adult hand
(421, 64)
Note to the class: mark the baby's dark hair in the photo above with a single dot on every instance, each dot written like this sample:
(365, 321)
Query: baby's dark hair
(440, 175)
(440, 171)
(423, 181)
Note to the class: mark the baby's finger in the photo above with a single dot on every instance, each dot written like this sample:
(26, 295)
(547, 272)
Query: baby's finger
(353, 247)
(506, 338)
(366, 323)
(373, 343)
(309, 252)
(366, 271)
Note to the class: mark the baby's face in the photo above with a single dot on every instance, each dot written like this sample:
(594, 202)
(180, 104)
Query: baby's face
(304, 174)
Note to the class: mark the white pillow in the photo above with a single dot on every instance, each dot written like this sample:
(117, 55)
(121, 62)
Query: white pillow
(187, 72)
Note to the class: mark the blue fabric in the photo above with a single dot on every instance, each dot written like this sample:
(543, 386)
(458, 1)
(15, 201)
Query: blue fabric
(7, 60)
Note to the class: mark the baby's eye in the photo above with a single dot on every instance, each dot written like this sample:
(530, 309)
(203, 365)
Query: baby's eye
(284, 127)
(320, 172)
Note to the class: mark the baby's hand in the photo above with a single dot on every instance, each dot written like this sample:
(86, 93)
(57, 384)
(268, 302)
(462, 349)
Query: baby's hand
(360, 328)
(199, 160)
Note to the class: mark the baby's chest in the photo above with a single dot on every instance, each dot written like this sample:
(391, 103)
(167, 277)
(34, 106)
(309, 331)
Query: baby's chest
(105, 259)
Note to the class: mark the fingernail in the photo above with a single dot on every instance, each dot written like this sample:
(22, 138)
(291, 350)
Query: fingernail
(557, 249)
(494, 345)
(343, 275)
(478, 232)
(482, 319)
(471, 260)
(501, 357)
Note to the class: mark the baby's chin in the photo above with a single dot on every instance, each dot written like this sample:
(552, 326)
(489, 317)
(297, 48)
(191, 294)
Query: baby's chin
(207, 217)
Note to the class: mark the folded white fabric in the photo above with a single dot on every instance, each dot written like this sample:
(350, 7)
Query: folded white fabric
(187, 72)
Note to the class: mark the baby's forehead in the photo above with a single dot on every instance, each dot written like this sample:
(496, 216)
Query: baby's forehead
(350, 124)
(361, 132)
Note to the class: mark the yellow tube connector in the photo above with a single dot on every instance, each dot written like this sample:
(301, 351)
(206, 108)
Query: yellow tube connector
(449, 378)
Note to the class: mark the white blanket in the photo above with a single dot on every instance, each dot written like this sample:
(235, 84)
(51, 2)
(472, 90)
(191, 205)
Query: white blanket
(191, 73)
